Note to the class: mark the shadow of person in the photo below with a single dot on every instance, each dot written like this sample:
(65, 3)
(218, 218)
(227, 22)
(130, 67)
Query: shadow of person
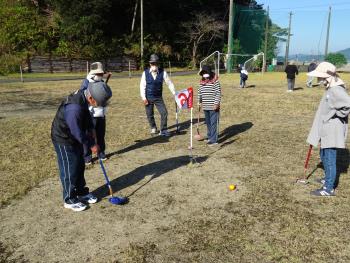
(298, 88)
(153, 170)
(140, 143)
(186, 124)
(249, 86)
(233, 130)
(342, 163)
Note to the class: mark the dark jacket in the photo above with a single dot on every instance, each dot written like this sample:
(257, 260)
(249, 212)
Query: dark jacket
(154, 87)
(72, 121)
(291, 71)
(311, 67)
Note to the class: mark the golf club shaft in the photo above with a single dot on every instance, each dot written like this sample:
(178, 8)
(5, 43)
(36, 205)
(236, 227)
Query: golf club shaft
(106, 177)
(307, 158)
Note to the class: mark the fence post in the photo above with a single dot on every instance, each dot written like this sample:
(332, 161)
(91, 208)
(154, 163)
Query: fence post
(20, 68)
(169, 68)
(129, 69)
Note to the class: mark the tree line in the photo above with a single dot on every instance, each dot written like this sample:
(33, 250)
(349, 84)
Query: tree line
(182, 31)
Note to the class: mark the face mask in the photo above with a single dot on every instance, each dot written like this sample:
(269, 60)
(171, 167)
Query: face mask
(97, 78)
(206, 76)
(154, 68)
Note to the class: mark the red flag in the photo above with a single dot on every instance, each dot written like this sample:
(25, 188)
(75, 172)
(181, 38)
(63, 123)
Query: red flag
(190, 97)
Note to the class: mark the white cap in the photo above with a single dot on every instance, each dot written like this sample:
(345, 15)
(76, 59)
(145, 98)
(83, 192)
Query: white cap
(323, 70)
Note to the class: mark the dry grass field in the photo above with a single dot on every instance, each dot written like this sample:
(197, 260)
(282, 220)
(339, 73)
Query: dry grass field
(178, 211)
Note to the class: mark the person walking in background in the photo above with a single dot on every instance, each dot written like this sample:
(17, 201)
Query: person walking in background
(98, 113)
(244, 77)
(209, 98)
(69, 132)
(330, 125)
(151, 91)
(312, 66)
(291, 70)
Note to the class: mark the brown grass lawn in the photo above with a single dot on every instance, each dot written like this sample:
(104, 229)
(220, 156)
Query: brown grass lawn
(186, 213)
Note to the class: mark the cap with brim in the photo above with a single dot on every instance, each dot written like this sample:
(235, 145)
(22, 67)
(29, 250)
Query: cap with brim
(323, 70)
(96, 68)
(100, 92)
(205, 69)
(153, 58)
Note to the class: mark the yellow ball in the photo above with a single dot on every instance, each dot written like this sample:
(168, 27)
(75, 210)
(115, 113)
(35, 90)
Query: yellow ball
(232, 187)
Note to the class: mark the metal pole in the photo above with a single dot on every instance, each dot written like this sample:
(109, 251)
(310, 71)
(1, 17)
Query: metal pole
(134, 17)
(20, 68)
(266, 35)
(230, 38)
(141, 33)
(87, 67)
(129, 69)
(288, 39)
(328, 26)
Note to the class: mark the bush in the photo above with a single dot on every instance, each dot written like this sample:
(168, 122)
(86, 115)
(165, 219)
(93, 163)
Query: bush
(337, 59)
(9, 64)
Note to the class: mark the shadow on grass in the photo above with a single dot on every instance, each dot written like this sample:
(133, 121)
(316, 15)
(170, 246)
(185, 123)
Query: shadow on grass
(156, 139)
(342, 163)
(153, 170)
(186, 124)
(298, 88)
(232, 131)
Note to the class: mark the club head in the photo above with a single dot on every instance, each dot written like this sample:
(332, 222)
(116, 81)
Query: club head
(115, 200)
(302, 181)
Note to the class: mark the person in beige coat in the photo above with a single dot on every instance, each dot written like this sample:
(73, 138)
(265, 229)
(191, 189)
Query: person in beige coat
(330, 125)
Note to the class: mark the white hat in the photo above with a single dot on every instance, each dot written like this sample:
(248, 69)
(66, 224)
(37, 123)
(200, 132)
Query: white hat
(96, 68)
(324, 70)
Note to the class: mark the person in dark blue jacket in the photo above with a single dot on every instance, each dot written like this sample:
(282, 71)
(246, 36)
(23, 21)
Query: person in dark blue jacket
(69, 131)
(151, 91)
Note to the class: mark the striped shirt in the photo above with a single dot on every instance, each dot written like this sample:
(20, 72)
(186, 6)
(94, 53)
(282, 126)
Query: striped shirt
(209, 94)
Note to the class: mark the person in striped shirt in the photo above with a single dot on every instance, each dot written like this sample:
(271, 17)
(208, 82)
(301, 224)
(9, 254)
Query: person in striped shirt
(209, 97)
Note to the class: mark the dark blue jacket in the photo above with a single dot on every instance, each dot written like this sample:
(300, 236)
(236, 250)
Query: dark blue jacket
(154, 87)
(72, 121)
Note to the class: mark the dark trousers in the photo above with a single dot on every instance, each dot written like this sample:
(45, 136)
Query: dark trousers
(100, 128)
(159, 102)
(211, 119)
(71, 167)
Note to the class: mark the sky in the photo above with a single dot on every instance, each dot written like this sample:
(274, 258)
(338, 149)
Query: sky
(309, 24)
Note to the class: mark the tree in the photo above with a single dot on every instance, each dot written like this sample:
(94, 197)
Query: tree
(337, 59)
(203, 28)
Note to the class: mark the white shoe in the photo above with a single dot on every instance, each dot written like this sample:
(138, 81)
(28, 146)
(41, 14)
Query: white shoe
(290, 90)
(89, 198)
(164, 133)
(76, 207)
(153, 131)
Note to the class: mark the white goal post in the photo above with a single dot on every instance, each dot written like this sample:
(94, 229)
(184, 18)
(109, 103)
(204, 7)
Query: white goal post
(218, 61)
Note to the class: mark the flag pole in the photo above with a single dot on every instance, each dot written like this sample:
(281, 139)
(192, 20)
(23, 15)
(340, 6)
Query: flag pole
(191, 142)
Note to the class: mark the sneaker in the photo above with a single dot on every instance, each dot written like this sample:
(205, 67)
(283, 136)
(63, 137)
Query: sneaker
(164, 133)
(88, 160)
(154, 131)
(212, 143)
(290, 90)
(76, 207)
(323, 192)
(102, 156)
(89, 198)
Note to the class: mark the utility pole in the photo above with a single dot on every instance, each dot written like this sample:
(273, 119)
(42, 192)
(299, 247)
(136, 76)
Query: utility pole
(141, 8)
(134, 17)
(230, 39)
(266, 35)
(328, 26)
(288, 39)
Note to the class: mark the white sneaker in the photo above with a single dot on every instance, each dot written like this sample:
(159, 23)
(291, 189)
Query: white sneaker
(153, 131)
(290, 90)
(76, 207)
(164, 133)
(89, 198)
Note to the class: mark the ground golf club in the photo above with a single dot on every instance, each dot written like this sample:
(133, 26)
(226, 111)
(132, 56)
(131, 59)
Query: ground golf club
(113, 199)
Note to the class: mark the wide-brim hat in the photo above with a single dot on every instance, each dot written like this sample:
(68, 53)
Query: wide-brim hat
(323, 70)
(205, 69)
(100, 92)
(96, 68)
